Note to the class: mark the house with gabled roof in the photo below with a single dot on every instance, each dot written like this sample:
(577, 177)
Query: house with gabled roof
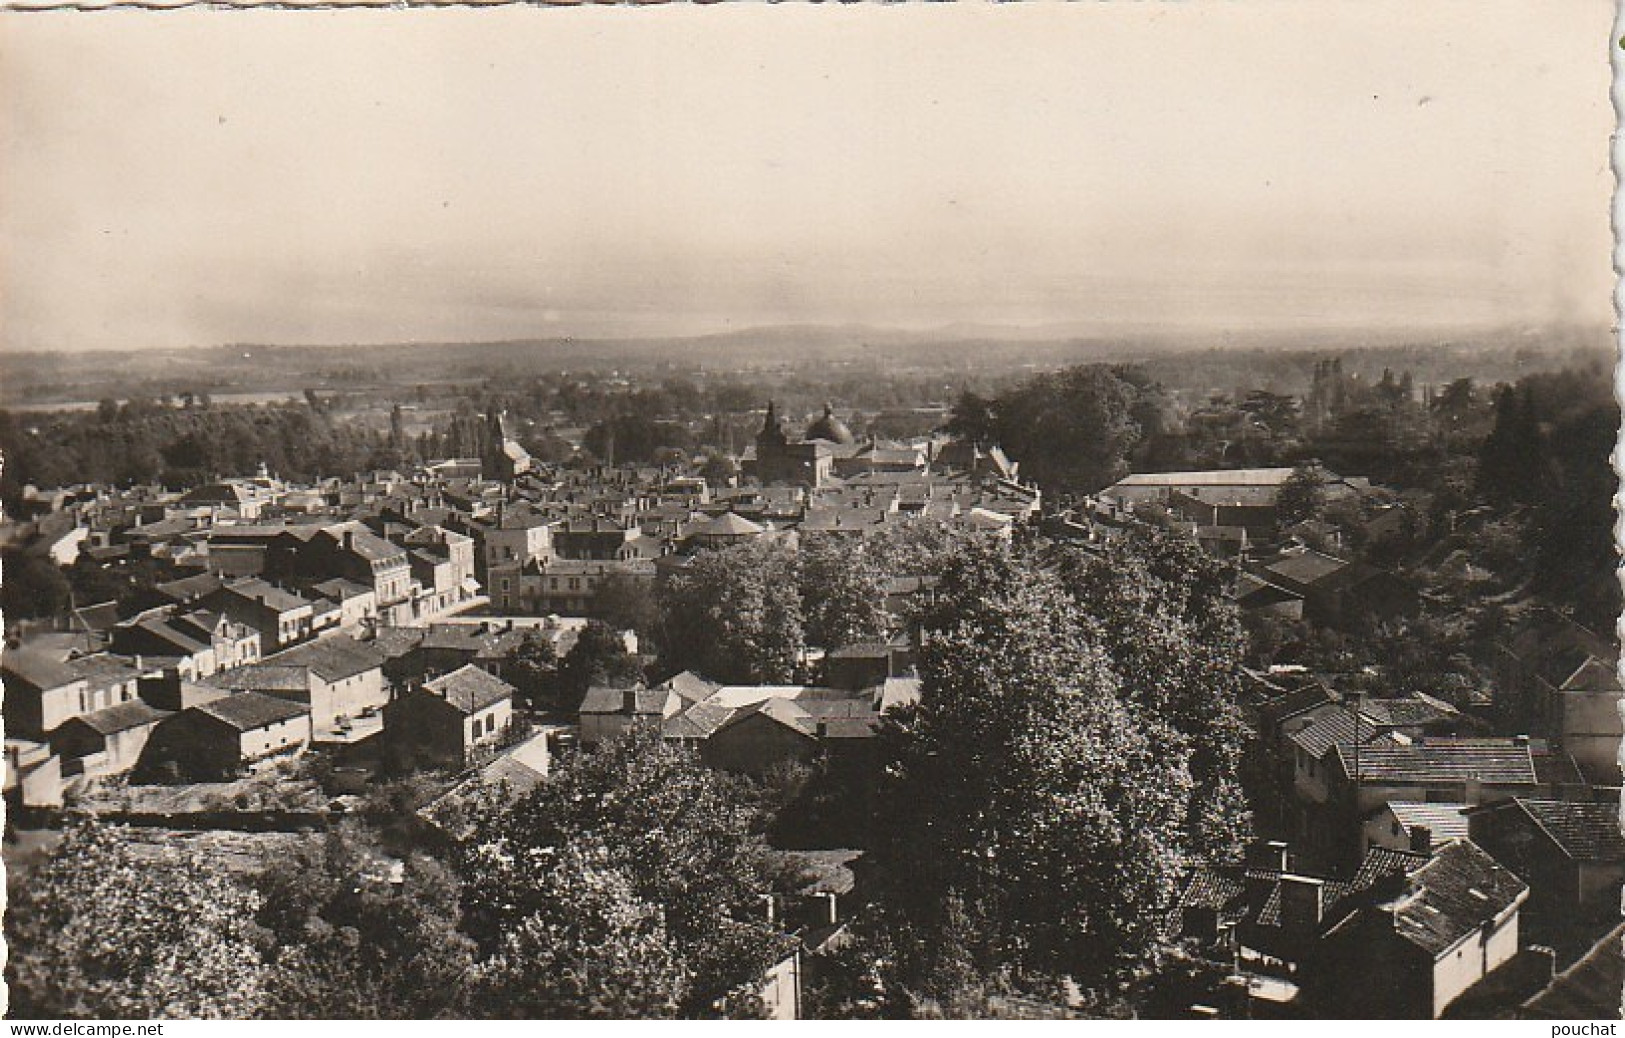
(108, 741)
(607, 712)
(1571, 853)
(282, 617)
(444, 722)
(337, 678)
(218, 739)
(1411, 952)
(1406, 825)
(776, 730)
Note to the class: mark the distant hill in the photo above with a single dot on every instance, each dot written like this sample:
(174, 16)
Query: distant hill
(41, 377)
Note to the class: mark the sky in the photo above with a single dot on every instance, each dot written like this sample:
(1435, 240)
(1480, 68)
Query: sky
(200, 177)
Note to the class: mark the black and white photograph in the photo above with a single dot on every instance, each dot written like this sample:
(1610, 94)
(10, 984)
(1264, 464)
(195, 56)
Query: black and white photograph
(786, 511)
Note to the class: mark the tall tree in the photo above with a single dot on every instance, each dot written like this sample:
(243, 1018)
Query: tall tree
(598, 657)
(735, 614)
(1072, 429)
(682, 837)
(1026, 790)
(843, 594)
(1303, 495)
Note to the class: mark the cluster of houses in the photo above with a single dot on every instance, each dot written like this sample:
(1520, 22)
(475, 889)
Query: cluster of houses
(1418, 863)
(289, 616)
(378, 619)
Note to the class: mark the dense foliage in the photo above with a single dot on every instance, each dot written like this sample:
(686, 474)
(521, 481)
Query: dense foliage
(1059, 771)
(635, 854)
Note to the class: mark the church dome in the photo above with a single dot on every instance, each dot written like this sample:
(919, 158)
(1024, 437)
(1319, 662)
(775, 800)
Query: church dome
(828, 427)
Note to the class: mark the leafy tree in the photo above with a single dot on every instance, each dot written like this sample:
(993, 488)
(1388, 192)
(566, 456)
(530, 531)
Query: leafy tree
(533, 670)
(1277, 412)
(598, 657)
(843, 593)
(635, 437)
(1577, 558)
(32, 586)
(351, 944)
(972, 419)
(735, 614)
(1072, 429)
(627, 603)
(1303, 495)
(101, 931)
(648, 823)
(1158, 607)
(1024, 789)
(590, 949)
(1511, 464)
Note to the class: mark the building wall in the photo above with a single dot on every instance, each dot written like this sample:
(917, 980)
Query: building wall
(1598, 885)
(781, 989)
(283, 737)
(485, 727)
(237, 560)
(346, 697)
(1589, 727)
(1465, 964)
(597, 728)
(50, 708)
(754, 745)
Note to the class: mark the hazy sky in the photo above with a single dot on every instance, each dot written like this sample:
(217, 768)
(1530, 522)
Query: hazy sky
(203, 176)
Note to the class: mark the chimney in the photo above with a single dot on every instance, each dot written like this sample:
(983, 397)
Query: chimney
(1421, 839)
(823, 729)
(349, 539)
(629, 701)
(832, 913)
(1302, 901)
(1275, 856)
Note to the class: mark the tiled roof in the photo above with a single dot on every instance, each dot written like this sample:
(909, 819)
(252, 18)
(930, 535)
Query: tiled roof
(1212, 888)
(613, 701)
(728, 524)
(1443, 821)
(331, 658)
(1272, 477)
(121, 717)
(699, 721)
(276, 598)
(1437, 760)
(393, 642)
(1587, 990)
(1405, 713)
(1306, 567)
(861, 650)
(829, 871)
(246, 711)
(1453, 895)
(37, 667)
(1582, 831)
(470, 689)
(266, 677)
(780, 711)
(1293, 703)
(191, 587)
(1334, 728)
(691, 686)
